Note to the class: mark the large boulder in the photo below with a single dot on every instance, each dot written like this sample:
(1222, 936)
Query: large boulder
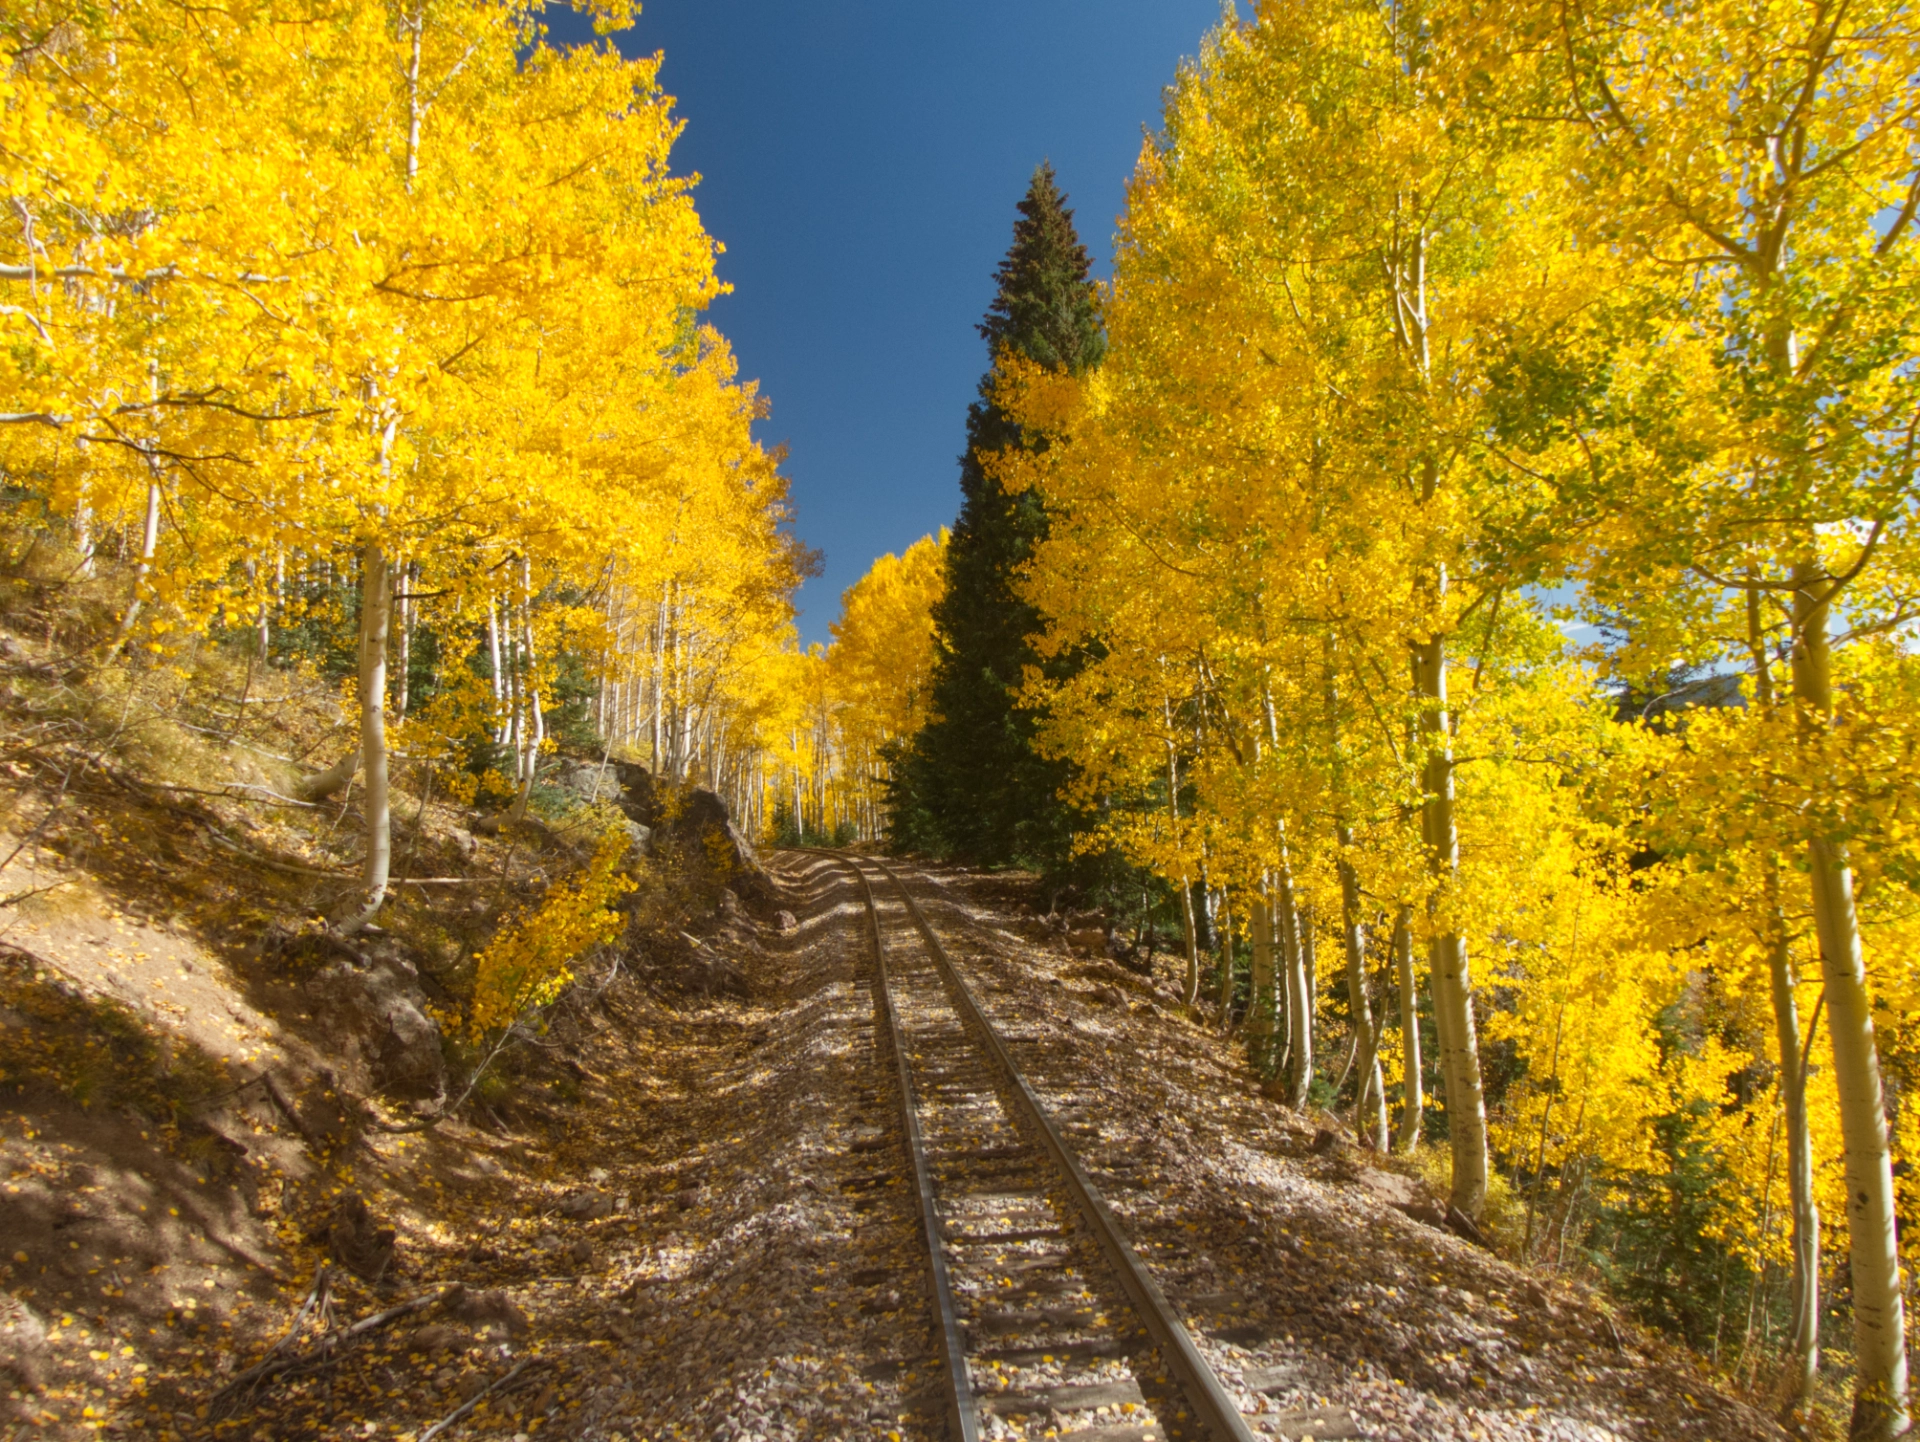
(690, 827)
(382, 1013)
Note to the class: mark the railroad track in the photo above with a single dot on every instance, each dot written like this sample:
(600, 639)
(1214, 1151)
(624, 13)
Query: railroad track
(1045, 1318)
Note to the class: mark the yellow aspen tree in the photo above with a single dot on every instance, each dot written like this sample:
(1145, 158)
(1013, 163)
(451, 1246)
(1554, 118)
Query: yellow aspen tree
(1763, 172)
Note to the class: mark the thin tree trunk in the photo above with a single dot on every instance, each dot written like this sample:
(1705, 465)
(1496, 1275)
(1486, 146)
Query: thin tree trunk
(1190, 934)
(1452, 981)
(1413, 1103)
(536, 734)
(1293, 948)
(376, 599)
(1371, 1124)
(1803, 1345)
(83, 523)
(1225, 987)
(1879, 1312)
(1262, 1003)
(499, 675)
(403, 658)
(149, 542)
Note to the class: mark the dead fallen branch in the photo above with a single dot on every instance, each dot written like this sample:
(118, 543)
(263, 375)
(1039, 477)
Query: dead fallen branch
(478, 1397)
(221, 840)
(328, 1350)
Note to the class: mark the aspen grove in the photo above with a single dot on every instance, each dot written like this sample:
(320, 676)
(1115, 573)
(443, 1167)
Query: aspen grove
(1435, 330)
(1473, 540)
(386, 317)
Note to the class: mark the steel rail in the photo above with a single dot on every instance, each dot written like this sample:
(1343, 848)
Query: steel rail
(1217, 1410)
(963, 1412)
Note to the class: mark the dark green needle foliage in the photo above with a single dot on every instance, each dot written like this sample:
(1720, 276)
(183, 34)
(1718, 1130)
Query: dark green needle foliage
(970, 784)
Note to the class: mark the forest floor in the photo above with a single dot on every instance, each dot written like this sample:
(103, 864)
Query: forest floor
(678, 1216)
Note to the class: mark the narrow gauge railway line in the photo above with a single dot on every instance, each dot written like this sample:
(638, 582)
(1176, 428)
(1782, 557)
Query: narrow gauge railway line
(1045, 1318)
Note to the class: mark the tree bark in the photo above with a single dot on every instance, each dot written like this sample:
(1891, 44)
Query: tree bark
(1803, 1347)
(1225, 933)
(1299, 993)
(1262, 1003)
(403, 660)
(1880, 1405)
(1413, 1103)
(330, 782)
(1190, 934)
(1370, 1124)
(1803, 1344)
(376, 602)
(149, 543)
(1452, 981)
(499, 676)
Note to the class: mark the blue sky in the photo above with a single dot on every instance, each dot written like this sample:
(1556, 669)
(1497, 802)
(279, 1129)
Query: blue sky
(860, 161)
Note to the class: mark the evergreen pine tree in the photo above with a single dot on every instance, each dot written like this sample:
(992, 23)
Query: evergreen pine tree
(969, 784)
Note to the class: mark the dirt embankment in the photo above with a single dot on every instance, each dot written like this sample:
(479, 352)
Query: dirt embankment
(214, 1110)
(679, 1212)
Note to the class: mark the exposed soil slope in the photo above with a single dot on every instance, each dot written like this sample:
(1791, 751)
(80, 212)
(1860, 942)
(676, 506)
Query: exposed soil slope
(690, 1218)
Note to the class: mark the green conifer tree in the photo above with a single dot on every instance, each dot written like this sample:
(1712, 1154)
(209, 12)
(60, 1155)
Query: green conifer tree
(969, 784)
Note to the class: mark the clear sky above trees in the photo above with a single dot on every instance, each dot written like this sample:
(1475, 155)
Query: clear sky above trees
(862, 163)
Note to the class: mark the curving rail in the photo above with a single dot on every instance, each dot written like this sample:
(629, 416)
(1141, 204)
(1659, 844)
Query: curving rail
(963, 1416)
(1198, 1386)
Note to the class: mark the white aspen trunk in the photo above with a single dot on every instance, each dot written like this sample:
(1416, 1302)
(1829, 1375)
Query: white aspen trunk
(1190, 935)
(1225, 930)
(376, 598)
(1803, 1345)
(1299, 991)
(683, 687)
(499, 676)
(1452, 982)
(263, 624)
(1369, 1122)
(1302, 1004)
(1880, 1404)
(515, 730)
(149, 543)
(83, 521)
(659, 680)
(403, 659)
(1413, 1103)
(1262, 1002)
(536, 718)
(416, 108)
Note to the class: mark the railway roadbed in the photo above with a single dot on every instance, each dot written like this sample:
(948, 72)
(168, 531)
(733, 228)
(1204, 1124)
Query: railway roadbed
(775, 1267)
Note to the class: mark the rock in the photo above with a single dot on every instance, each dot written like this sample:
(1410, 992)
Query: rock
(1090, 942)
(687, 965)
(438, 1337)
(492, 1312)
(586, 1206)
(23, 1343)
(357, 1241)
(384, 1011)
(589, 780)
(1405, 1195)
(786, 921)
